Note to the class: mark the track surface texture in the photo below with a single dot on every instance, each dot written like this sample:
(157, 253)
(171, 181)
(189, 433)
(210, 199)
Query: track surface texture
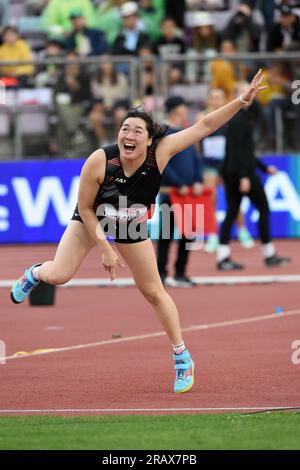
(240, 364)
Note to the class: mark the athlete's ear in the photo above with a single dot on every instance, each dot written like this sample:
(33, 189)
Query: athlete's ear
(149, 142)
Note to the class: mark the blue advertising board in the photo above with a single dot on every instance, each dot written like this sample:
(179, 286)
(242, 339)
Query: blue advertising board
(37, 199)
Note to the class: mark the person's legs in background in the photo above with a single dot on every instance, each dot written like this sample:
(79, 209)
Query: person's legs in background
(210, 180)
(258, 197)
(166, 233)
(233, 201)
(243, 233)
(181, 279)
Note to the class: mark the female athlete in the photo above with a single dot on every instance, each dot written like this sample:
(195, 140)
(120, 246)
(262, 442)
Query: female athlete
(117, 186)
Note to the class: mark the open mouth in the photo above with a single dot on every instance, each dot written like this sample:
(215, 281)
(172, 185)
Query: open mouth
(129, 147)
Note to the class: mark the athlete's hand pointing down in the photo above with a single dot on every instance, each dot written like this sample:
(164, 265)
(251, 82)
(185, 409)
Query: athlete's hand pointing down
(110, 261)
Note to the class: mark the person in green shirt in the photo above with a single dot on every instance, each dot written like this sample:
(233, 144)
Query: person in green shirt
(108, 19)
(151, 13)
(56, 16)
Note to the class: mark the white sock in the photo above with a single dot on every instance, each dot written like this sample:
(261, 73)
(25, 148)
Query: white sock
(268, 250)
(35, 273)
(178, 348)
(223, 252)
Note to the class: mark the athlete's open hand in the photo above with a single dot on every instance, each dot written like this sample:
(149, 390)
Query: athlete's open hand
(254, 87)
(110, 261)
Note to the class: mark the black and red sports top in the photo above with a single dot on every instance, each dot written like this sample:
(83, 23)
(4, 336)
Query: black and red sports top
(124, 198)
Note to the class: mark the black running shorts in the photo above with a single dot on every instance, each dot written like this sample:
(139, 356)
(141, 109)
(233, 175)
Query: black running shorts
(120, 232)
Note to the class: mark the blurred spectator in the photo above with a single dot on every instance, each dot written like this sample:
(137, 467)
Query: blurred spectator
(15, 48)
(108, 18)
(151, 13)
(148, 73)
(99, 115)
(225, 73)
(96, 118)
(275, 96)
(203, 40)
(119, 111)
(268, 9)
(285, 34)
(108, 84)
(57, 15)
(48, 75)
(131, 37)
(204, 37)
(243, 30)
(183, 172)
(213, 151)
(85, 41)
(71, 91)
(171, 43)
(4, 13)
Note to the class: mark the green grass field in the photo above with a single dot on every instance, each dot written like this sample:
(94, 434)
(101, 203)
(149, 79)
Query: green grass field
(188, 432)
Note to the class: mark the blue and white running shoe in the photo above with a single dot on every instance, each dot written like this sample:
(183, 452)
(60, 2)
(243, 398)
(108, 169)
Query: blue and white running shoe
(185, 371)
(22, 288)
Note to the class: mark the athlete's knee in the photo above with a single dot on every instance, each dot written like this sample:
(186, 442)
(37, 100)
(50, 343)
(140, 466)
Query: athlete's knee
(153, 293)
(56, 278)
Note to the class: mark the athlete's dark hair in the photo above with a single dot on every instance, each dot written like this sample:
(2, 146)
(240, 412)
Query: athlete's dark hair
(154, 129)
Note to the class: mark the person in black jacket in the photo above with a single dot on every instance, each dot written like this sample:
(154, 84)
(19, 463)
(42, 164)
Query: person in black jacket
(285, 34)
(240, 178)
(242, 30)
(85, 41)
(132, 37)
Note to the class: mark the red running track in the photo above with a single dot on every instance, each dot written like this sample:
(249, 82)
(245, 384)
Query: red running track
(244, 365)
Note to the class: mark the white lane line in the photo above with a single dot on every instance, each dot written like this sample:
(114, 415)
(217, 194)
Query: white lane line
(143, 410)
(192, 328)
(201, 280)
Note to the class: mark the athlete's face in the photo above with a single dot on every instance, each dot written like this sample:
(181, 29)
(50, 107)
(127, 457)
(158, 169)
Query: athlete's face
(133, 138)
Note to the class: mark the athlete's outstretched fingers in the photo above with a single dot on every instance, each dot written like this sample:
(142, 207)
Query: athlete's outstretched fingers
(257, 75)
(112, 274)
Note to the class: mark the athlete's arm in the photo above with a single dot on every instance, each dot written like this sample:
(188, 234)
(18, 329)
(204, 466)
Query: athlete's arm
(92, 176)
(175, 143)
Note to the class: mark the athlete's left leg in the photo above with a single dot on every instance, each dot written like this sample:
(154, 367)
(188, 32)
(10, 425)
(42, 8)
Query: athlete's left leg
(141, 260)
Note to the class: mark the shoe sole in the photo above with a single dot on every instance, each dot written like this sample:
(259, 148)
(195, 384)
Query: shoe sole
(192, 383)
(230, 269)
(13, 299)
(285, 263)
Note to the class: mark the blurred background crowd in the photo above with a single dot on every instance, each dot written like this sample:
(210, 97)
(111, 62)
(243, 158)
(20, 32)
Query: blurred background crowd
(79, 64)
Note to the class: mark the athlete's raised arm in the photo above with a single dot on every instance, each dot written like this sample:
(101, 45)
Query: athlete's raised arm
(92, 176)
(175, 143)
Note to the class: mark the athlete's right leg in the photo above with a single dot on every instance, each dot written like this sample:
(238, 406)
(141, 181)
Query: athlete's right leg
(72, 249)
